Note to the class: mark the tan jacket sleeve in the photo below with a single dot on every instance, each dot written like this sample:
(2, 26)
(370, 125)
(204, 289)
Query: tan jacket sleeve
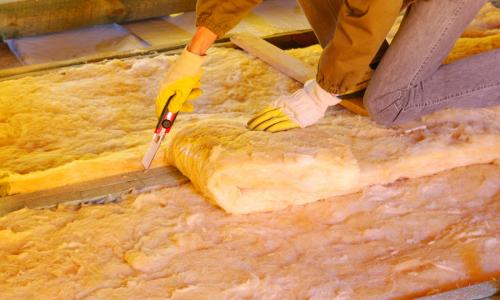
(361, 29)
(221, 16)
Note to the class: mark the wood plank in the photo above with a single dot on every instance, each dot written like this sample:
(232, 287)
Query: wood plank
(34, 17)
(483, 290)
(274, 56)
(287, 64)
(356, 106)
(98, 191)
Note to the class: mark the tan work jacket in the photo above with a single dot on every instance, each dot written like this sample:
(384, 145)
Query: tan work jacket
(344, 64)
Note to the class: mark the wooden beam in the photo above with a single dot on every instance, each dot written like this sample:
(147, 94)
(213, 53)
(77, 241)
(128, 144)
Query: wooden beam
(97, 191)
(35, 17)
(483, 290)
(274, 56)
(287, 64)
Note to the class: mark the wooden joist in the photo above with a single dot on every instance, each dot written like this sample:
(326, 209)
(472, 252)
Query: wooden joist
(484, 290)
(96, 191)
(34, 17)
(274, 56)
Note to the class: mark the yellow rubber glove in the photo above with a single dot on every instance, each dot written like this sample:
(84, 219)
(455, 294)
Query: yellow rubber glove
(271, 119)
(301, 109)
(184, 90)
(182, 81)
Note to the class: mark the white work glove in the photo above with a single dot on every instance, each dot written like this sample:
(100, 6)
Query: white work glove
(301, 109)
(183, 81)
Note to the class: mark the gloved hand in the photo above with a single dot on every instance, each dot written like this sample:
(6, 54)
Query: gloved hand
(301, 109)
(183, 81)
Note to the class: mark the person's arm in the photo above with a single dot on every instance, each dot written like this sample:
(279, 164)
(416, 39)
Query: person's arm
(214, 18)
(361, 30)
(221, 16)
(182, 81)
(202, 40)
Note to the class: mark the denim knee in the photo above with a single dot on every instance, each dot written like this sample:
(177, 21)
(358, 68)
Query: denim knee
(385, 109)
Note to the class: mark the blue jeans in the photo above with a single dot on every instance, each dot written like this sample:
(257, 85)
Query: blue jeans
(411, 81)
